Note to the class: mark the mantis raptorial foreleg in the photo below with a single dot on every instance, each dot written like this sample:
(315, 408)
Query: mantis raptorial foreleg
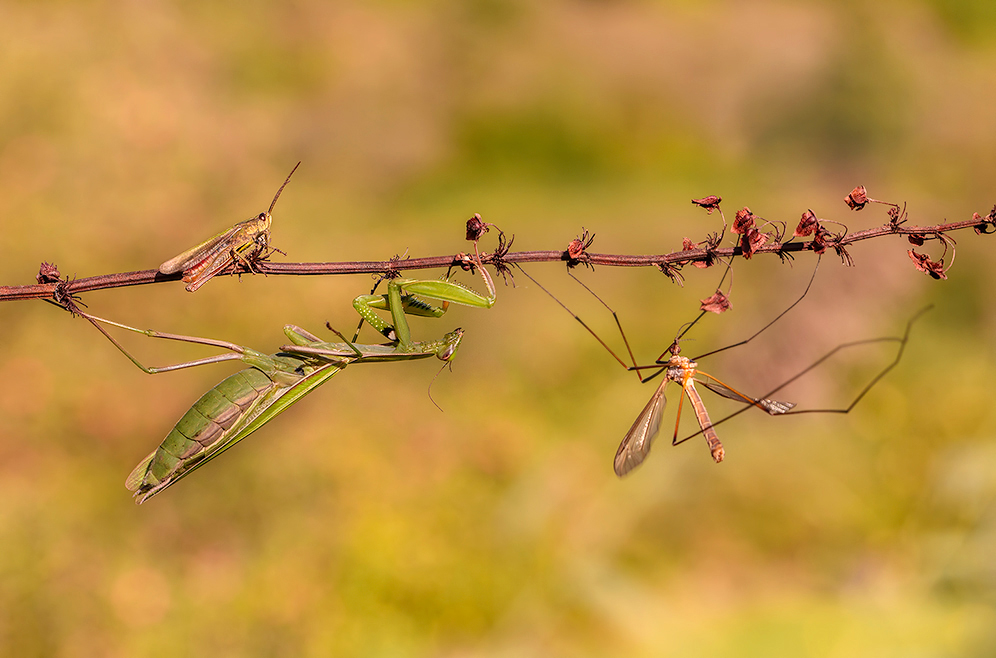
(404, 297)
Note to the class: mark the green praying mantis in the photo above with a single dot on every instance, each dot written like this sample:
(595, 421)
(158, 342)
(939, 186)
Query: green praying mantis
(245, 401)
(240, 243)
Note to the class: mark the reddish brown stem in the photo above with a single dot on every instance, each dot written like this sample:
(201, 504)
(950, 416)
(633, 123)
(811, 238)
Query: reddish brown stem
(676, 258)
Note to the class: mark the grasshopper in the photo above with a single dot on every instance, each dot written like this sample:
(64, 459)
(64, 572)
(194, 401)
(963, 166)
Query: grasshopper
(241, 243)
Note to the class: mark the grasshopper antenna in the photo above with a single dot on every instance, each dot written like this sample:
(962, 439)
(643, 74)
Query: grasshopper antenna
(287, 180)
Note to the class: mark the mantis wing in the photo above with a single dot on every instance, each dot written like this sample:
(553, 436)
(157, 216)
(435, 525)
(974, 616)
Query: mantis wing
(228, 413)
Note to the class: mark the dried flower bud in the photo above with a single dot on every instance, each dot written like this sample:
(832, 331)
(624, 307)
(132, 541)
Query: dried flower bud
(710, 203)
(465, 261)
(48, 273)
(576, 250)
(821, 240)
(857, 199)
(916, 238)
(923, 263)
(743, 221)
(985, 226)
(718, 303)
(476, 228)
(807, 225)
(751, 241)
(758, 239)
(688, 245)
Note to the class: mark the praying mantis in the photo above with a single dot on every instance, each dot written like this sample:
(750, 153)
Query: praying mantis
(245, 401)
(240, 243)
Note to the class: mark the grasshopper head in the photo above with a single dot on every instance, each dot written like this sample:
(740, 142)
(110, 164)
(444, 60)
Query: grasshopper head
(262, 238)
(449, 345)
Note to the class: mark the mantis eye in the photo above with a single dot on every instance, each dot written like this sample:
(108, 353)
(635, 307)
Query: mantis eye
(452, 343)
(446, 353)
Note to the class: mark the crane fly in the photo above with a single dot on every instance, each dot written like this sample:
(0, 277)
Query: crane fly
(243, 243)
(683, 371)
(636, 444)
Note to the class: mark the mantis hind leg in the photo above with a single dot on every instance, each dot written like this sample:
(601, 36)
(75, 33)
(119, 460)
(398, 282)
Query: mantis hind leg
(238, 352)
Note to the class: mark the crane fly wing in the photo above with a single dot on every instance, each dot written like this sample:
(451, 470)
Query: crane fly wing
(636, 445)
(773, 407)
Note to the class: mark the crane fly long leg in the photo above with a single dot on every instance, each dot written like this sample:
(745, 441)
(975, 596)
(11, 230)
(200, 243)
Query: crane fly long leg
(702, 313)
(902, 340)
(627, 366)
(615, 316)
(773, 407)
(765, 327)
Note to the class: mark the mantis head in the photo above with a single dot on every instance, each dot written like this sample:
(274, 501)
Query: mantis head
(449, 344)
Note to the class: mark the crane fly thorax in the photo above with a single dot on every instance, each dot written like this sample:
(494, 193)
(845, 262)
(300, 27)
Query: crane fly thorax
(680, 368)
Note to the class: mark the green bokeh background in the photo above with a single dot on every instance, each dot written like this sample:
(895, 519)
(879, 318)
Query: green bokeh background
(366, 522)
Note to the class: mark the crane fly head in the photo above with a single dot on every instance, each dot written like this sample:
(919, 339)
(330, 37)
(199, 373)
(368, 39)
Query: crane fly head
(674, 349)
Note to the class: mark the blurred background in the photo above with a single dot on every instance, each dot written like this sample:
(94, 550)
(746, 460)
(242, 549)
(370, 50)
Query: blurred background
(366, 522)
